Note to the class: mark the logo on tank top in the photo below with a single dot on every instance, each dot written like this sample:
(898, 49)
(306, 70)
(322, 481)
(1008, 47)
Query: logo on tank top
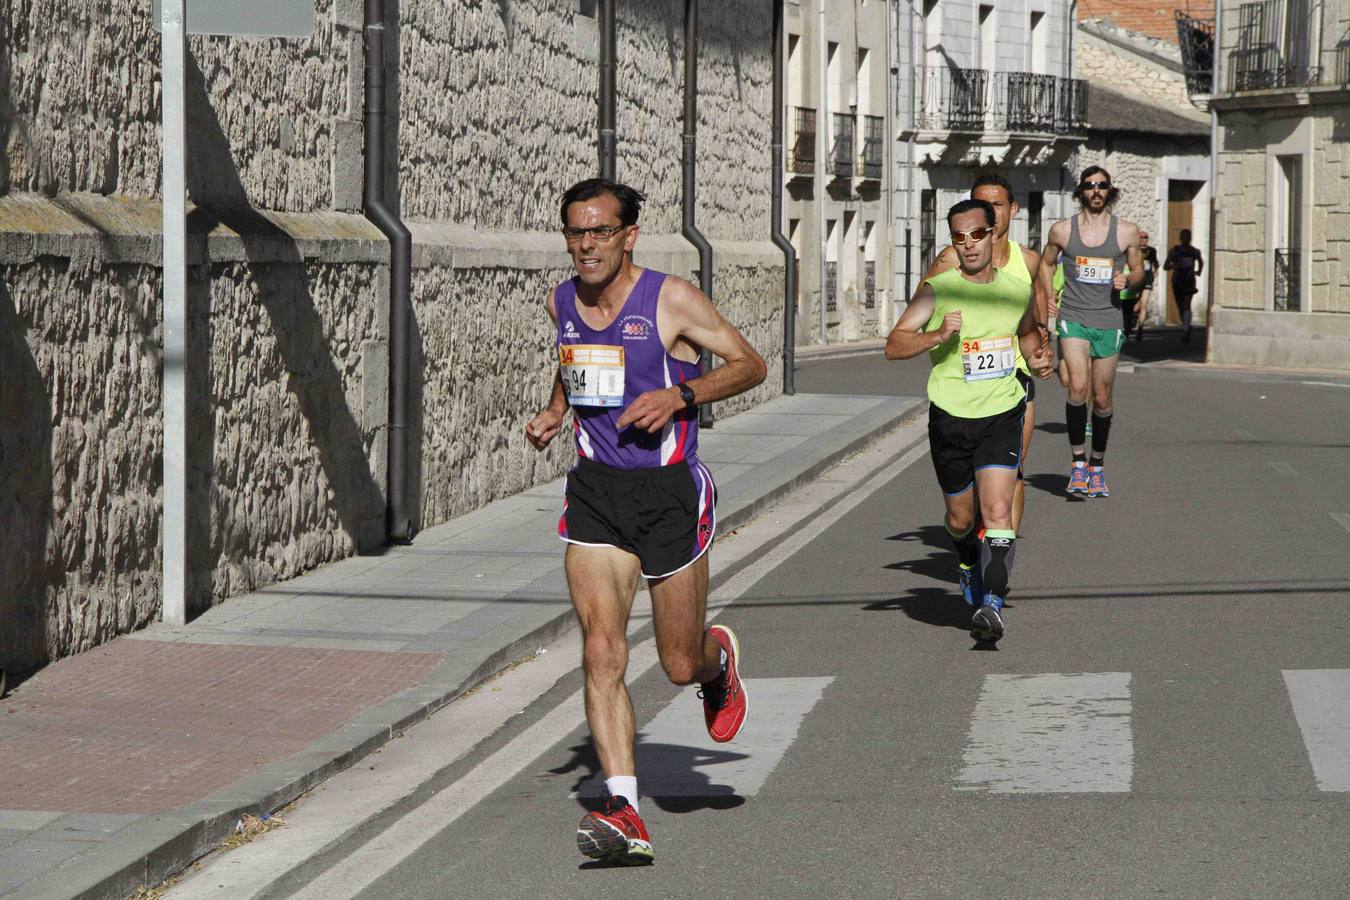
(570, 330)
(635, 327)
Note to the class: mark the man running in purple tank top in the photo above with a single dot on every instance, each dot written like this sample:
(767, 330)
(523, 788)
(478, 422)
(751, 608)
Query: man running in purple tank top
(639, 502)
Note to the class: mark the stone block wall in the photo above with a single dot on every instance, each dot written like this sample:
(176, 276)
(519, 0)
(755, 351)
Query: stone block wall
(495, 106)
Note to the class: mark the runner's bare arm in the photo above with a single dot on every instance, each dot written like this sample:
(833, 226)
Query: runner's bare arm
(1134, 258)
(1034, 342)
(908, 339)
(945, 260)
(1039, 299)
(1199, 263)
(541, 430)
(686, 316)
(1045, 275)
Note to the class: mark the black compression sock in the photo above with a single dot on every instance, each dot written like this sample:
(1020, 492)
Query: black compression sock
(967, 545)
(998, 545)
(1075, 419)
(1101, 430)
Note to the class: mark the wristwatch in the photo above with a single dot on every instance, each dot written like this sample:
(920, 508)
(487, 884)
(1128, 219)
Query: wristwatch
(687, 395)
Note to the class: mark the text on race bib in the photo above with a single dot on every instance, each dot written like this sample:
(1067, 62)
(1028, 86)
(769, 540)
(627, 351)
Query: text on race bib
(1094, 269)
(991, 357)
(592, 374)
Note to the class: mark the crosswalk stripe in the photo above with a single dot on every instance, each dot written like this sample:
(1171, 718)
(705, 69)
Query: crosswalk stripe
(1321, 699)
(676, 758)
(1050, 733)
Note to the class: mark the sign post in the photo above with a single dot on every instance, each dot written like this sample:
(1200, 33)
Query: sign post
(175, 19)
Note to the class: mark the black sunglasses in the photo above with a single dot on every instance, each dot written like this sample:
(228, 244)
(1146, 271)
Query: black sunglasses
(1096, 185)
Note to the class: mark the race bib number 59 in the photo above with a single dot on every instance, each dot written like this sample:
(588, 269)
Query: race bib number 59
(1093, 269)
(993, 357)
(592, 374)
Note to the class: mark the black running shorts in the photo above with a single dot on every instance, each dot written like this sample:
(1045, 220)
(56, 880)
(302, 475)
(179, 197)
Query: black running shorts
(665, 515)
(1028, 382)
(960, 447)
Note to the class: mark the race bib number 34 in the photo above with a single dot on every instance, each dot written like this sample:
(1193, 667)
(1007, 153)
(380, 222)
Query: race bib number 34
(592, 374)
(1094, 269)
(992, 357)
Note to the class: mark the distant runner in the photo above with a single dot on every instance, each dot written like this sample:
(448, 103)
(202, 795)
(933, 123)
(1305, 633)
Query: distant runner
(1185, 263)
(1096, 246)
(972, 321)
(639, 502)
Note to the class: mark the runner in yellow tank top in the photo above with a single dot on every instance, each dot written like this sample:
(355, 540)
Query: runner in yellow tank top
(1019, 262)
(972, 321)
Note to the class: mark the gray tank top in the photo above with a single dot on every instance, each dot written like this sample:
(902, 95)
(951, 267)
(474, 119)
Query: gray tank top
(1087, 298)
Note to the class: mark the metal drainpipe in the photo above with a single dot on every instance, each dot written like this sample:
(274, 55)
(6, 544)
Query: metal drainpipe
(377, 209)
(690, 230)
(1214, 210)
(608, 100)
(822, 162)
(776, 211)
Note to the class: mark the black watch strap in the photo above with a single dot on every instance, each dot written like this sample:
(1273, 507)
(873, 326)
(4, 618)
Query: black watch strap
(687, 394)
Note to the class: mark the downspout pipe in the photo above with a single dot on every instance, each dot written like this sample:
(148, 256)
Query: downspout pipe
(776, 234)
(608, 96)
(378, 210)
(690, 230)
(1214, 89)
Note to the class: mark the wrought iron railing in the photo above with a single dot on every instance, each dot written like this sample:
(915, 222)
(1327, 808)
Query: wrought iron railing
(974, 100)
(1196, 40)
(1343, 61)
(870, 284)
(1030, 102)
(801, 154)
(1288, 280)
(841, 150)
(831, 286)
(954, 99)
(1275, 47)
(873, 147)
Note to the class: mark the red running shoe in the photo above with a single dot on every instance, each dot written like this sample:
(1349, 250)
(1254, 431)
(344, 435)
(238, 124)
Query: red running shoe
(617, 834)
(724, 702)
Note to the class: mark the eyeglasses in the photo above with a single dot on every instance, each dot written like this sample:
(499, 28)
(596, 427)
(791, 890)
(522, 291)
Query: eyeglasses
(1096, 185)
(975, 234)
(599, 232)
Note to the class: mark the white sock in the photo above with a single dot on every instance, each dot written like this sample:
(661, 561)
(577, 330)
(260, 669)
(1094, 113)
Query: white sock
(724, 660)
(624, 786)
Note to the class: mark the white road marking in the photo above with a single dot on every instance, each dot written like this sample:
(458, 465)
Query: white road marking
(676, 759)
(1283, 468)
(1051, 734)
(1321, 699)
(1339, 384)
(1343, 518)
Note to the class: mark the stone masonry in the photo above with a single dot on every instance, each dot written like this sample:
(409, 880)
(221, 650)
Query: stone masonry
(495, 107)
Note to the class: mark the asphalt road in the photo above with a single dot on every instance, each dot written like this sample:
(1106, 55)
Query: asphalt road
(1161, 718)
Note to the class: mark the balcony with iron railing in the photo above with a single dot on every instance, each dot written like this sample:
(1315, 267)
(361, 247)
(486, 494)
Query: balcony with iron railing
(873, 148)
(841, 150)
(1195, 37)
(801, 152)
(1276, 47)
(831, 286)
(978, 101)
(870, 284)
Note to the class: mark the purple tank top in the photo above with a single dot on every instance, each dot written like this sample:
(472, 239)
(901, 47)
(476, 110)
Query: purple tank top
(589, 359)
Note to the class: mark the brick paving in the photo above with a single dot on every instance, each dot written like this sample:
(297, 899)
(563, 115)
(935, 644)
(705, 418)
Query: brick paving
(145, 726)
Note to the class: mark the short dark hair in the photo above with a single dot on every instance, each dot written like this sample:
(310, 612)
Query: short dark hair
(995, 179)
(1111, 196)
(1185, 235)
(630, 199)
(969, 205)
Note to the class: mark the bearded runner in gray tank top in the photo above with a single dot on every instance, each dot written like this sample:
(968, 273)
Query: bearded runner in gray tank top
(1095, 245)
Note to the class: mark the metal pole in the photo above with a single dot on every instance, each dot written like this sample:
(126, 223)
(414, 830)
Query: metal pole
(1214, 89)
(173, 587)
(689, 167)
(780, 240)
(608, 103)
(822, 167)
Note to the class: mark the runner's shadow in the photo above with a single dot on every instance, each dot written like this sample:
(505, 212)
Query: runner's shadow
(1053, 484)
(1052, 427)
(670, 776)
(939, 607)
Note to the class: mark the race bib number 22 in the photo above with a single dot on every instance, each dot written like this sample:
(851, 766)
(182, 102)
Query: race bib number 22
(992, 357)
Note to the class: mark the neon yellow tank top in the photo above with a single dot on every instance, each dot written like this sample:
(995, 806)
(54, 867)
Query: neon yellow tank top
(989, 312)
(1017, 268)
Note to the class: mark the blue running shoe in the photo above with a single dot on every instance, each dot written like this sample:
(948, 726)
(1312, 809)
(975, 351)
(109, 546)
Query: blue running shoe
(972, 585)
(1097, 482)
(1078, 479)
(987, 624)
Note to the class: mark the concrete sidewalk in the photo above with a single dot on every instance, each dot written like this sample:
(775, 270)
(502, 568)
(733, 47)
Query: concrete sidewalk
(126, 763)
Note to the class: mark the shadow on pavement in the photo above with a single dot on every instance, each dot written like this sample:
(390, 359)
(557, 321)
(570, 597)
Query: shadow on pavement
(671, 776)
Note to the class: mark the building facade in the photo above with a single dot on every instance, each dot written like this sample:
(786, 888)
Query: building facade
(1281, 93)
(839, 166)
